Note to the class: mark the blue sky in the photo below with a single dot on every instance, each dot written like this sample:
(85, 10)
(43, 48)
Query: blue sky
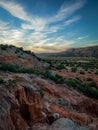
(49, 25)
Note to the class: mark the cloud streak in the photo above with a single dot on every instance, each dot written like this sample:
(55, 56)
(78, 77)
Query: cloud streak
(66, 10)
(72, 20)
(14, 9)
(38, 38)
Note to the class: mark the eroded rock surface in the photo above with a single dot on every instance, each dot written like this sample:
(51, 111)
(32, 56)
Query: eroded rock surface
(23, 107)
(66, 124)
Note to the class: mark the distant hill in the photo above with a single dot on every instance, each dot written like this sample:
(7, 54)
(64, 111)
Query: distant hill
(17, 56)
(91, 51)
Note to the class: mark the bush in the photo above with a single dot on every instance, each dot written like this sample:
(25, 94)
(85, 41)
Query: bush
(60, 66)
(54, 77)
(1, 81)
(89, 89)
(9, 82)
(74, 69)
(96, 72)
(82, 72)
(89, 79)
(41, 93)
(9, 67)
(4, 47)
(30, 71)
(73, 82)
(17, 51)
(45, 73)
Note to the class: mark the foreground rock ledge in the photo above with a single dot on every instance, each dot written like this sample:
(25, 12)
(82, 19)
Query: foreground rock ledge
(60, 124)
(22, 105)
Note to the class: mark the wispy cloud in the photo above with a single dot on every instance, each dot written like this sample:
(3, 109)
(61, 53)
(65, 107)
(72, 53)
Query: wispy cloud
(38, 39)
(52, 47)
(72, 20)
(9, 34)
(67, 9)
(14, 9)
(82, 37)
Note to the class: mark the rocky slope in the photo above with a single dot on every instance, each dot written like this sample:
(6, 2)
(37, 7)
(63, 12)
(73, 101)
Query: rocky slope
(32, 101)
(19, 57)
(23, 105)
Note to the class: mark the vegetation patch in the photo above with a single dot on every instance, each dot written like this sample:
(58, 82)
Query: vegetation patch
(44, 73)
(89, 89)
(42, 94)
(89, 79)
(74, 69)
(9, 67)
(82, 72)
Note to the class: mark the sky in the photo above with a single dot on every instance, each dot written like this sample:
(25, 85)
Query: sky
(49, 25)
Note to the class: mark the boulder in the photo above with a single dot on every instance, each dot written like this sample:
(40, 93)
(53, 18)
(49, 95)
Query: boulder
(66, 124)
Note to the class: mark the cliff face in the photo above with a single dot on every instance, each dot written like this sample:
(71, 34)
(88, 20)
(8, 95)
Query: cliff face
(29, 102)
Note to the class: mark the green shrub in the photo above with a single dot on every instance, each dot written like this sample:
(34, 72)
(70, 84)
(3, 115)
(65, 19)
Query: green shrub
(74, 69)
(82, 72)
(41, 93)
(30, 71)
(1, 81)
(17, 51)
(89, 79)
(78, 78)
(9, 82)
(45, 73)
(60, 66)
(89, 89)
(96, 72)
(57, 78)
(9, 67)
(4, 47)
(73, 82)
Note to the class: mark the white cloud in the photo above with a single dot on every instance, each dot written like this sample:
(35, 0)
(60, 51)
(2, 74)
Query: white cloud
(53, 47)
(35, 23)
(9, 34)
(42, 27)
(14, 9)
(67, 9)
(38, 23)
(82, 37)
(72, 20)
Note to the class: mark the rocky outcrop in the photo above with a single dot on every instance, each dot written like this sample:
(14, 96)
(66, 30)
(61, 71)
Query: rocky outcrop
(23, 106)
(66, 124)
(60, 124)
(19, 57)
